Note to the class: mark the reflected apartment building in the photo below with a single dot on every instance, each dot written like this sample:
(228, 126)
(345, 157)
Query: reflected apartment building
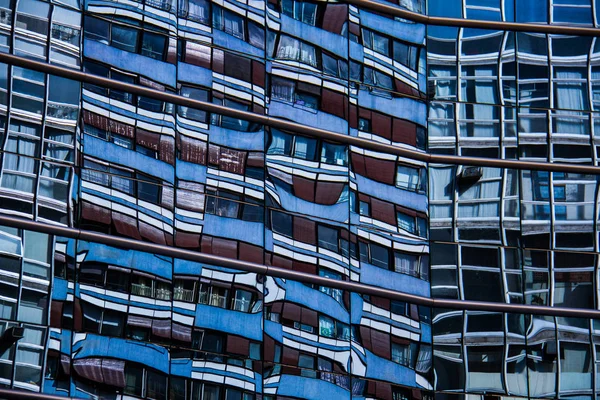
(113, 322)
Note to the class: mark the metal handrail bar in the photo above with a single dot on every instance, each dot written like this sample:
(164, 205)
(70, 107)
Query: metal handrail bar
(294, 126)
(390, 9)
(303, 277)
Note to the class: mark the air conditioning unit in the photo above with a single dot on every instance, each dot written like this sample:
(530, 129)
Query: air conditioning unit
(431, 89)
(469, 175)
(549, 351)
(10, 337)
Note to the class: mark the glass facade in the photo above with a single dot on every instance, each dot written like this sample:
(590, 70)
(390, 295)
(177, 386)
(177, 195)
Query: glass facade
(109, 322)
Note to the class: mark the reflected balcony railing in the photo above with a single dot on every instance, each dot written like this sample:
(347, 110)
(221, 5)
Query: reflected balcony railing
(212, 299)
(218, 301)
(163, 294)
(182, 294)
(141, 290)
(242, 305)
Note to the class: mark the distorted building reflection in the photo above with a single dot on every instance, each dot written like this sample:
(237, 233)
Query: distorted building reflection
(107, 322)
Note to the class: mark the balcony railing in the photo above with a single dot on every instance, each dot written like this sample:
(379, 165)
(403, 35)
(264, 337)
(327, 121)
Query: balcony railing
(141, 290)
(182, 294)
(163, 294)
(240, 305)
(218, 301)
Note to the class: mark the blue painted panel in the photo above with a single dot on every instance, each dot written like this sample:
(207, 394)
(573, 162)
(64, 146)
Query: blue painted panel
(194, 74)
(373, 275)
(114, 153)
(413, 200)
(329, 41)
(181, 367)
(59, 289)
(232, 228)
(300, 293)
(238, 140)
(158, 71)
(145, 353)
(401, 107)
(414, 33)
(386, 370)
(160, 266)
(190, 171)
(307, 388)
(235, 322)
(317, 119)
(356, 307)
(274, 330)
(185, 267)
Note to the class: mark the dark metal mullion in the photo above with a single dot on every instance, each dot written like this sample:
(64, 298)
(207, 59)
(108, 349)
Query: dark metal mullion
(292, 126)
(9, 70)
(41, 140)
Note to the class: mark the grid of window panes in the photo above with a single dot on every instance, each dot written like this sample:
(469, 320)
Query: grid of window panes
(559, 12)
(38, 129)
(511, 236)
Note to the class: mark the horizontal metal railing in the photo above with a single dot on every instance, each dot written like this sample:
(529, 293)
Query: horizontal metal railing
(293, 126)
(390, 9)
(18, 394)
(278, 272)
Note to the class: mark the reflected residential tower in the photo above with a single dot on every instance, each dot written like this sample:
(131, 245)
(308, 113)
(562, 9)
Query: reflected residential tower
(102, 321)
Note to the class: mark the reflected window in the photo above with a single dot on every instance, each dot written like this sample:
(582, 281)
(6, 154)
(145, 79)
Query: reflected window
(379, 256)
(401, 354)
(195, 10)
(376, 42)
(241, 301)
(326, 326)
(281, 223)
(328, 238)
(406, 263)
(124, 37)
(408, 178)
(228, 22)
(133, 380)
(281, 143)
(305, 148)
(406, 54)
(293, 49)
(334, 154)
(300, 10)
(148, 189)
(153, 45)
